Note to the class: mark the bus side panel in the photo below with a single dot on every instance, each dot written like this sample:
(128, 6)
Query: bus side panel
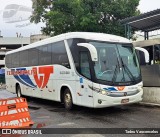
(70, 85)
(63, 77)
(49, 92)
(10, 81)
(25, 90)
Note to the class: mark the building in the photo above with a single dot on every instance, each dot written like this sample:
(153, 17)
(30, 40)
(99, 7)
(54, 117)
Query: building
(11, 43)
(37, 37)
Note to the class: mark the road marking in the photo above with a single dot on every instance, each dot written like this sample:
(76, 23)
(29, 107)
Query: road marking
(65, 124)
(44, 117)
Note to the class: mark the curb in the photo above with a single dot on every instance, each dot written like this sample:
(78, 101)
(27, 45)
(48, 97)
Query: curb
(149, 104)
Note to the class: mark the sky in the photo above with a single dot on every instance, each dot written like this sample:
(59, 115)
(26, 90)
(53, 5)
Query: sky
(10, 27)
(148, 5)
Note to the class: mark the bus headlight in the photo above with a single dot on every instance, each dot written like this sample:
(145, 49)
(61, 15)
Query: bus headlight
(140, 89)
(104, 92)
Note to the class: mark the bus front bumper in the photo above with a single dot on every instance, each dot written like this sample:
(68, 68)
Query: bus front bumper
(101, 101)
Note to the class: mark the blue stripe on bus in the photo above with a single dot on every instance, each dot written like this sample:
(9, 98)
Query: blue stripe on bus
(110, 89)
(18, 79)
(24, 79)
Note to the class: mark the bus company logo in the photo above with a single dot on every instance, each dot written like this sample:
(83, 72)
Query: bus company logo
(121, 88)
(41, 76)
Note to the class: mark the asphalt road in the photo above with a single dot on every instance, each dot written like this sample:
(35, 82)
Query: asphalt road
(49, 114)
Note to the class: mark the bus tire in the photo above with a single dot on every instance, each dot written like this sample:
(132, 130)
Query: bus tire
(67, 98)
(18, 91)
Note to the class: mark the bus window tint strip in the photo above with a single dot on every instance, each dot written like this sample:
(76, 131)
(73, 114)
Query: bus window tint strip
(54, 53)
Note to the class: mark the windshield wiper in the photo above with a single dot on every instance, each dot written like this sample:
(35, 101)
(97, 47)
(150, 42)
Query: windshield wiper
(114, 75)
(127, 70)
(115, 72)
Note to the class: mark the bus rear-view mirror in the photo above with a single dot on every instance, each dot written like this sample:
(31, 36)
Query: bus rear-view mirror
(91, 49)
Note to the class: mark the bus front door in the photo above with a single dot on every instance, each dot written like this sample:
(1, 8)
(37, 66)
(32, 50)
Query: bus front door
(86, 93)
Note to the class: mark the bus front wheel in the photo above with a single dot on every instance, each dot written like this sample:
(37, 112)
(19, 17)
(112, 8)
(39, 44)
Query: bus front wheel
(18, 91)
(67, 98)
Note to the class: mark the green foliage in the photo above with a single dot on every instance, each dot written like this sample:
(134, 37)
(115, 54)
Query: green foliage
(61, 16)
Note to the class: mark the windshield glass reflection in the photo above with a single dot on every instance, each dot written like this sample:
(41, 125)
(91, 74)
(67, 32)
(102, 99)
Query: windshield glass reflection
(116, 62)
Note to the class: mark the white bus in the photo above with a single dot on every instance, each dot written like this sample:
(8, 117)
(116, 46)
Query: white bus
(88, 69)
(16, 13)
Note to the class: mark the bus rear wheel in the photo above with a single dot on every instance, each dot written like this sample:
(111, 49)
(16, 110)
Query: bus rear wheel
(18, 91)
(67, 98)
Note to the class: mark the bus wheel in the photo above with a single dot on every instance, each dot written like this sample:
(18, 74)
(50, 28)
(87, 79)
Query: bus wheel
(18, 91)
(67, 98)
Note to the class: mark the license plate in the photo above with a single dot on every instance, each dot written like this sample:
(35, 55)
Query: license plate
(123, 101)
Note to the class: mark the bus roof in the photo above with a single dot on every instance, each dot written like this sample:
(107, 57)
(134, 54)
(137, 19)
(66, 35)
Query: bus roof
(70, 35)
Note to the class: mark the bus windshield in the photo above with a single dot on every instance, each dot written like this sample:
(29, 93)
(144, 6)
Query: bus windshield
(116, 62)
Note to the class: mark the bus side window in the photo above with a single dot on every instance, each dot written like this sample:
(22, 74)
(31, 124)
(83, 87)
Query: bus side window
(9, 61)
(45, 55)
(33, 57)
(59, 54)
(15, 60)
(24, 57)
(84, 65)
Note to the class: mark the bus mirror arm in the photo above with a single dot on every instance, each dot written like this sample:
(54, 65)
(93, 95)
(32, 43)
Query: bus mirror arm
(146, 54)
(91, 49)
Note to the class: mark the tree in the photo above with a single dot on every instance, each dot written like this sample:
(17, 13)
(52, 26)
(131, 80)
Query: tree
(61, 16)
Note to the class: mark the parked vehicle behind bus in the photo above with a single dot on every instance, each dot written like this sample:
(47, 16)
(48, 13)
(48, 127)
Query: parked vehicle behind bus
(150, 71)
(88, 69)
